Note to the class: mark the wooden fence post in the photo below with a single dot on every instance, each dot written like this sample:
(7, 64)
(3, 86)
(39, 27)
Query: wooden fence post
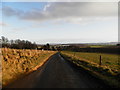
(100, 61)
(73, 54)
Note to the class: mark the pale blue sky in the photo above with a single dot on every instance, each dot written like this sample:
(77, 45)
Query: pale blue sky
(60, 22)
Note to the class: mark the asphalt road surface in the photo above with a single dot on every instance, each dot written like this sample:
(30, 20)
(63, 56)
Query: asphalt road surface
(58, 73)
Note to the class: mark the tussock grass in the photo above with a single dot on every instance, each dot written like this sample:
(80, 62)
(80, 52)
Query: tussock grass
(108, 71)
(0, 78)
(18, 62)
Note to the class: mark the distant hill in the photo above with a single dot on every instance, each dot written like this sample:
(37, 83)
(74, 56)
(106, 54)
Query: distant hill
(106, 43)
(82, 44)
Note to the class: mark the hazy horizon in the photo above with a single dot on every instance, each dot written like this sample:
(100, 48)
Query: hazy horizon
(60, 22)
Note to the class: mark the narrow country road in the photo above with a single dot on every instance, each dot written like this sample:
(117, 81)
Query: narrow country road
(58, 73)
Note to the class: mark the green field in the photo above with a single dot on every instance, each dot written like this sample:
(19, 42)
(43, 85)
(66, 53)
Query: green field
(97, 46)
(109, 70)
(103, 46)
(108, 60)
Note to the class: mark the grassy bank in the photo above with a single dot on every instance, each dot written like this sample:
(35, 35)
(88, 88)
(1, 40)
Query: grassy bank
(109, 70)
(17, 62)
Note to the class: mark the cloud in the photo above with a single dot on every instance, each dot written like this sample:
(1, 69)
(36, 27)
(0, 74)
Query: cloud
(46, 6)
(73, 12)
(8, 11)
(3, 24)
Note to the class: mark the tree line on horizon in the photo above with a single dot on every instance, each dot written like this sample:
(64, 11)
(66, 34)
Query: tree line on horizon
(17, 44)
(22, 44)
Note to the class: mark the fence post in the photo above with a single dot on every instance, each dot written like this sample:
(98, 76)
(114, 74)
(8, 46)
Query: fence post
(73, 54)
(100, 61)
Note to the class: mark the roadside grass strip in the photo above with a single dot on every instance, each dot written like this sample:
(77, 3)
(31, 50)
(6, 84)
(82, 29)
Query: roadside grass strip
(16, 63)
(108, 70)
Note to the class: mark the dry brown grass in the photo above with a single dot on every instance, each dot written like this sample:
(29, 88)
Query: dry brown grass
(17, 62)
(0, 69)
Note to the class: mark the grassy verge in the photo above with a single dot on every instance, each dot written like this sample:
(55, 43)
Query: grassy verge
(108, 71)
(17, 63)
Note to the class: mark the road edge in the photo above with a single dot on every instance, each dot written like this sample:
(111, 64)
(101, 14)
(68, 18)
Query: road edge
(94, 74)
(27, 74)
